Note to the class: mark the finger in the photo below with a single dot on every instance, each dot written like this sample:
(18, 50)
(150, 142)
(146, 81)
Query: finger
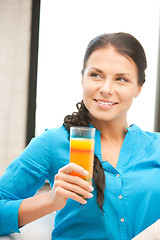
(67, 194)
(74, 179)
(73, 167)
(73, 188)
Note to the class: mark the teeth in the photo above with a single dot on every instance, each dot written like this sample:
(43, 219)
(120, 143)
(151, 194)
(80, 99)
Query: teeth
(105, 103)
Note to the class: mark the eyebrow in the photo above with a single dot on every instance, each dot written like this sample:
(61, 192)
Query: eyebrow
(122, 74)
(118, 74)
(98, 70)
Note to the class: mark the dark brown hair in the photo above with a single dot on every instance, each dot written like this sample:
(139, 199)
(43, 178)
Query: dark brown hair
(128, 46)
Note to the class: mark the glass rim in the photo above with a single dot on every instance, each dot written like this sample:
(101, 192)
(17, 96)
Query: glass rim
(82, 132)
(84, 128)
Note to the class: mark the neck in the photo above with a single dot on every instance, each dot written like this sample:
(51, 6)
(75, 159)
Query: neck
(111, 131)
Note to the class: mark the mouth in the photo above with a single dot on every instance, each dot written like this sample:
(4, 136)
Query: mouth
(105, 103)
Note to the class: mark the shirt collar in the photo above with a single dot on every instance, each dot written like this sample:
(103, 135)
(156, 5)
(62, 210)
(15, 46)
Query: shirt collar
(132, 128)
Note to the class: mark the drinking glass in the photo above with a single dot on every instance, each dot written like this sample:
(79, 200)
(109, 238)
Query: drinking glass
(82, 149)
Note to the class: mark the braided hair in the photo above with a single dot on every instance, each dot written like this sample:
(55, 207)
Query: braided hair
(82, 118)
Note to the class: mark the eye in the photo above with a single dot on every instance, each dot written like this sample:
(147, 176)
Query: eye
(95, 75)
(120, 79)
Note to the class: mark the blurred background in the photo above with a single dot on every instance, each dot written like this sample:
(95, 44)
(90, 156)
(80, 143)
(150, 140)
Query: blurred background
(42, 44)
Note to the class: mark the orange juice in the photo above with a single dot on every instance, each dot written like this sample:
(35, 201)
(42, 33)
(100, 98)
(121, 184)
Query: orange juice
(82, 153)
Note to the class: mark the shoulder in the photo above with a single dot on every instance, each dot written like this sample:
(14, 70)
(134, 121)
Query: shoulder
(55, 139)
(45, 147)
(155, 136)
(152, 138)
(46, 140)
(53, 133)
(56, 134)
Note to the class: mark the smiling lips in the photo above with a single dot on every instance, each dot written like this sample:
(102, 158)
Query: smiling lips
(105, 103)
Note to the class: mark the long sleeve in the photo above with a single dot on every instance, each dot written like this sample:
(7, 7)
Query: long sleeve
(23, 177)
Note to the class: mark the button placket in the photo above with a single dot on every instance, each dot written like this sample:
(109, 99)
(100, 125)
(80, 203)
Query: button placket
(120, 204)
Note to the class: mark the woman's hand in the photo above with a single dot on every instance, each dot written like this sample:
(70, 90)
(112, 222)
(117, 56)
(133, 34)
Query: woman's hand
(65, 186)
(68, 186)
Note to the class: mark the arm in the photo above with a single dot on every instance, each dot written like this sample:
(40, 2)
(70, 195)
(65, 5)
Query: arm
(26, 174)
(65, 186)
(21, 180)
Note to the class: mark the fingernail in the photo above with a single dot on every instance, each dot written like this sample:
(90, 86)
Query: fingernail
(91, 188)
(84, 201)
(85, 172)
(90, 195)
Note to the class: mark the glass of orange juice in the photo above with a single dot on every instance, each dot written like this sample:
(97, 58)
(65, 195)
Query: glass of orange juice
(82, 150)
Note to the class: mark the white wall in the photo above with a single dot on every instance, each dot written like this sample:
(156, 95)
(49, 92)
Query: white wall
(66, 27)
(15, 32)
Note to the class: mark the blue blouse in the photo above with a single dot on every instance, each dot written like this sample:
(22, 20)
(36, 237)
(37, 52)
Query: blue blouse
(132, 194)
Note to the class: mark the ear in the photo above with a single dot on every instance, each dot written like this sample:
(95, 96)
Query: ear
(138, 91)
(82, 81)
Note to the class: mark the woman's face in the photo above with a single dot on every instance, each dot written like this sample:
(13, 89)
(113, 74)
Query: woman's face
(110, 82)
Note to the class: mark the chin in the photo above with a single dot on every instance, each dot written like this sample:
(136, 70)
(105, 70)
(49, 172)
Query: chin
(100, 117)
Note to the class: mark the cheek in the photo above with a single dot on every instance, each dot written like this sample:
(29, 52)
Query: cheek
(87, 90)
(88, 96)
(128, 94)
(127, 98)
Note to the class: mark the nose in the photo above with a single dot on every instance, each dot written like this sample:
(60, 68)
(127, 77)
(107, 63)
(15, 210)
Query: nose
(107, 88)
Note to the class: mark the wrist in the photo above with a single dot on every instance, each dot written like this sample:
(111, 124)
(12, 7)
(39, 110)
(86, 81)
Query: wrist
(49, 203)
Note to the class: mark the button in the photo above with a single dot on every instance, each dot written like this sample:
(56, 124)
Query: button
(122, 220)
(120, 197)
(117, 175)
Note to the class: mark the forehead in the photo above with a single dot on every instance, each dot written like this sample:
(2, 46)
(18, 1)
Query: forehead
(110, 57)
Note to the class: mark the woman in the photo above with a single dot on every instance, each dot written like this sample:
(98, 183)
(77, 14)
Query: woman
(124, 198)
